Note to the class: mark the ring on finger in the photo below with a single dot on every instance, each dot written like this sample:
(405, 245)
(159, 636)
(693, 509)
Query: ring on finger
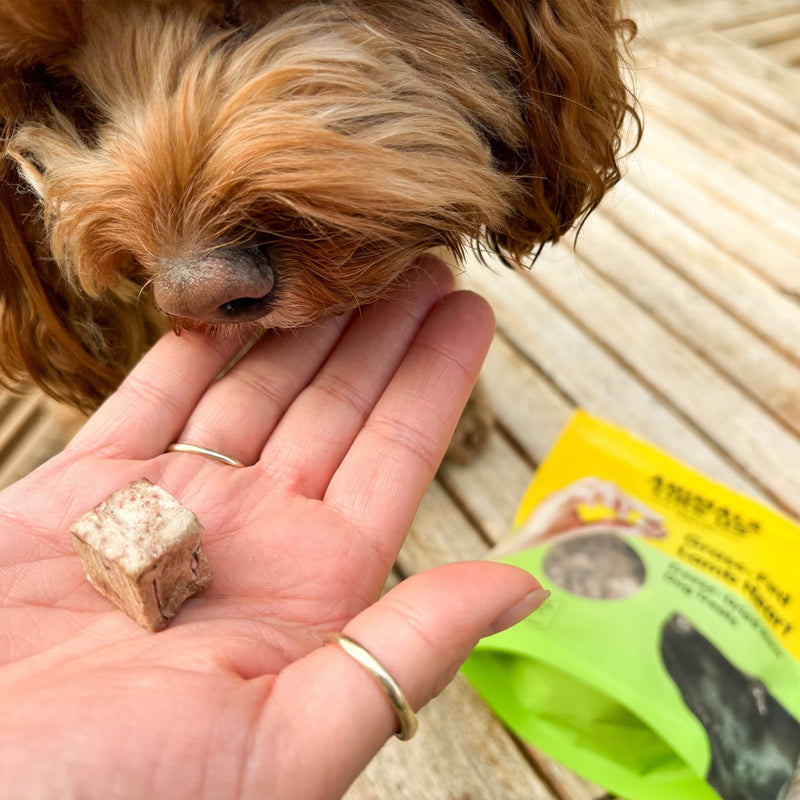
(402, 708)
(185, 447)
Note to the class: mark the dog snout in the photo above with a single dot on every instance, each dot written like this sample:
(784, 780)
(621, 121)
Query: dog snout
(226, 285)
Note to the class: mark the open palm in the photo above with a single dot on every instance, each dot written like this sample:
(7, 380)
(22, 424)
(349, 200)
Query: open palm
(342, 426)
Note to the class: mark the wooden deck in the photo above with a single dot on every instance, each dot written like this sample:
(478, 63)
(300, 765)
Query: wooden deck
(678, 317)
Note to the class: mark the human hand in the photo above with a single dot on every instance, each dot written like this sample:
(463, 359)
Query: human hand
(559, 513)
(343, 425)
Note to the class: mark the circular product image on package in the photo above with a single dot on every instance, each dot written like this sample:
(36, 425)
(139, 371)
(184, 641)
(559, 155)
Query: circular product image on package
(596, 564)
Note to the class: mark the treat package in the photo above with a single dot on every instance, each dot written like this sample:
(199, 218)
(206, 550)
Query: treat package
(666, 663)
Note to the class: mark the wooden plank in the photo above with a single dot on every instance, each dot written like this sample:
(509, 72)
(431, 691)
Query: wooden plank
(592, 376)
(17, 415)
(40, 440)
(31, 431)
(728, 229)
(441, 533)
(778, 26)
(490, 487)
(568, 785)
(757, 304)
(740, 72)
(682, 16)
(786, 52)
(750, 436)
(700, 324)
(678, 72)
(728, 14)
(758, 145)
(794, 789)
(777, 217)
(527, 404)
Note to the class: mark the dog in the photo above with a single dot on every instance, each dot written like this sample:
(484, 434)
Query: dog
(219, 163)
(754, 740)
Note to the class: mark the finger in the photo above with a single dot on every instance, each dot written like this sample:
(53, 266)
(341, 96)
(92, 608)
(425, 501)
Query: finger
(382, 479)
(146, 413)
(237, 413)
(326, 717)
(635, 505)
(319, 428)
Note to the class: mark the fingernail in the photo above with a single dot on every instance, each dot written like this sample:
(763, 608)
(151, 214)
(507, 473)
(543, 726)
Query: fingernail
(518, 612)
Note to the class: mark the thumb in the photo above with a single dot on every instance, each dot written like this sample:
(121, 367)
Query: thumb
(326, 717)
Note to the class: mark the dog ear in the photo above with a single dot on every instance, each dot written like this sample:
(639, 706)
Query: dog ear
(34, 37)
(39, 32)
(570, 58)
(77, 350)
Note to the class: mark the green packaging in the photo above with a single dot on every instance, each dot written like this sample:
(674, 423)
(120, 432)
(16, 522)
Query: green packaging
(666, 663)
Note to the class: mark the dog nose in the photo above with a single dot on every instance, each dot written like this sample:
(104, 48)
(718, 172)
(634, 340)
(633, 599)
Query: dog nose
(229, 284)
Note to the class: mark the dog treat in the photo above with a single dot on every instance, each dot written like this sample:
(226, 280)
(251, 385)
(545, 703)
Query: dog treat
(142, 549)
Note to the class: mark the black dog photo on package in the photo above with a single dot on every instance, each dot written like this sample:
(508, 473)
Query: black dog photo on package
(755, 741)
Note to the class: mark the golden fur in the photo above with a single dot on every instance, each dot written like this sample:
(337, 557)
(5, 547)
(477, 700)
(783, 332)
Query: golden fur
(342, 138)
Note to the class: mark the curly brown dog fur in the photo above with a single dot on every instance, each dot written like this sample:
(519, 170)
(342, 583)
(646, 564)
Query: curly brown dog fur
(267, 163)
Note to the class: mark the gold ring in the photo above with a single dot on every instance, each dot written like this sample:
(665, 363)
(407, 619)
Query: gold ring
(405, 714)
(182, 447)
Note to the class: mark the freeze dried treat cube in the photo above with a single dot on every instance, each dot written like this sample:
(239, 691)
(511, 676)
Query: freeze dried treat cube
(141, 549)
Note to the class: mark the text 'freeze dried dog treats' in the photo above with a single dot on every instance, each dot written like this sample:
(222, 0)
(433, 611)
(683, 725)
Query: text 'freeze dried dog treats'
(142, 549)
